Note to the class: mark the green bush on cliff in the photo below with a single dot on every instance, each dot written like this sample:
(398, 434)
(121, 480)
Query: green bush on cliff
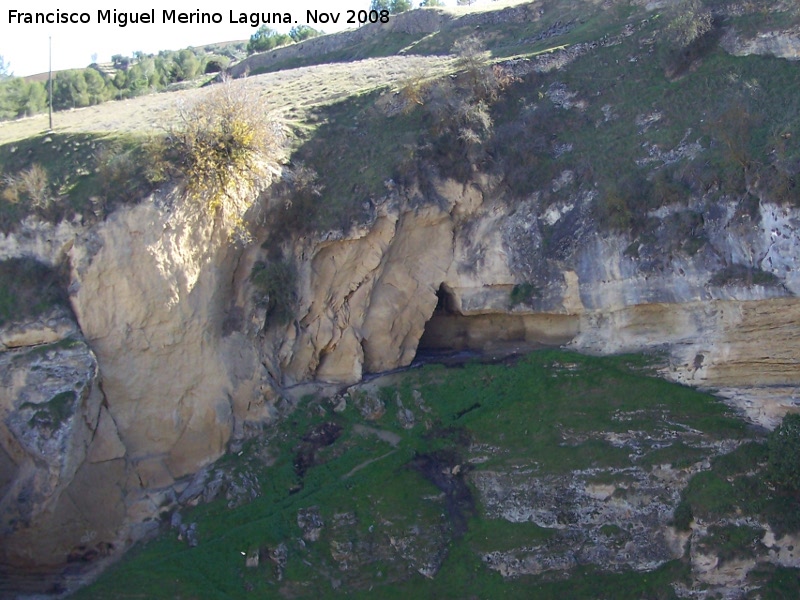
(275, 283)
(784, 453)
(222, 142)
(28, 288)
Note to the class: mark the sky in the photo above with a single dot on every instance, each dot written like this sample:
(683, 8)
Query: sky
(25, 46)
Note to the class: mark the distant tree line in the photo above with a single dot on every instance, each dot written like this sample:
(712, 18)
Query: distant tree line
(130, 76)
(266, 38)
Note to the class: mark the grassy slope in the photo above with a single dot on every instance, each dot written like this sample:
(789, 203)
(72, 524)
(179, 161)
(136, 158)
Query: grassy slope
(742, 112)
(521, 409)
(339, 105)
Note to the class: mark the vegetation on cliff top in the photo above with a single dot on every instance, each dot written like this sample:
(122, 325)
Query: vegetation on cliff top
(646, 110)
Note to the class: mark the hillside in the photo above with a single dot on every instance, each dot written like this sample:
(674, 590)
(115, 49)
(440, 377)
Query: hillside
(567, 214)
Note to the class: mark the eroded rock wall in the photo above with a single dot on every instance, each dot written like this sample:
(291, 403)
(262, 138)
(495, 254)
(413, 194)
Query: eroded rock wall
(62, 464)
(107, 413)
(723, 311)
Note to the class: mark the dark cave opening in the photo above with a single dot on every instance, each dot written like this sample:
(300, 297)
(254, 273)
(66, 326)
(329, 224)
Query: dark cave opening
(450, 331)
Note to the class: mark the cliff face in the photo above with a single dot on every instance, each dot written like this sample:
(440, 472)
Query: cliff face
(166, 306)
(170, 356)
(147, 387)
(56, 439)
(366, 299)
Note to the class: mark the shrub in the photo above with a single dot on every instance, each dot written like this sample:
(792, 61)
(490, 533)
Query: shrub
(784, 453)
(30, 186)
(28, 288)
(414, 89)
(124, 171)
(461, 125)
(691, 21)
(742, 275)
(523, 293)
(275, 285)
(472, 58)
(613, 212)
(222, 142)
(683, 517)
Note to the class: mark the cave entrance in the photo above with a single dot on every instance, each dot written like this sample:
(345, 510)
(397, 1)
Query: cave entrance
(499, 331)
(446, 301)
(437, 337)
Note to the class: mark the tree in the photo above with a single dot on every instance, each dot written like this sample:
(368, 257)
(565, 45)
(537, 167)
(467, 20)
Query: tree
(5, 69)
(265, 39)
(32, 98)
(399, 6)
(394, 7)
(70, 90)
(186, 66)
(784, 453)
(431, 3)
(298, 33)
(120, 62)
(95, 86)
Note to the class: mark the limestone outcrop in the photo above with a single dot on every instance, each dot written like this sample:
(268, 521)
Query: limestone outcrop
(62, 464)
(781, 44)
(106, 411)
(445, 276)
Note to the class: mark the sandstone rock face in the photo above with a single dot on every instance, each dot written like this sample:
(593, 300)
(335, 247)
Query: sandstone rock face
(151, 299)
(84, 470)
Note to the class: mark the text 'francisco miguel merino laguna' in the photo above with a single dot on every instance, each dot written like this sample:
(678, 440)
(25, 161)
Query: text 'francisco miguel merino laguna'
(197, 17)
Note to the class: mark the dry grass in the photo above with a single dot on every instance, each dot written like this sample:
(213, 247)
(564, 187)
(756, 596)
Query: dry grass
(288, 93)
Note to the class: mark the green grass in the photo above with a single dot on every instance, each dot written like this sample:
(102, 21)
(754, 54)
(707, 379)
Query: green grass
(389, 44)
(779, 583)
(78, 167)
(355, 150)
(737, 485)
(486, 535)
(550, 409)
(730, 542)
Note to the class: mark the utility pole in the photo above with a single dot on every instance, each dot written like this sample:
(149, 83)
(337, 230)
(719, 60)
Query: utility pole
(50, 83)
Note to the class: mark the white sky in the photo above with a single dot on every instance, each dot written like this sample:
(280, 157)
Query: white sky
(25, 47)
